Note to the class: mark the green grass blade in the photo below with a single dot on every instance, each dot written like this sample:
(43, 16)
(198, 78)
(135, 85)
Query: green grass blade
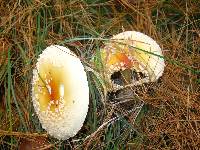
(18, 109)
(8, 102)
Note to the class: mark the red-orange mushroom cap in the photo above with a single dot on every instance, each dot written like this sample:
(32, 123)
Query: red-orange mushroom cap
(60, 92)
(133, 51)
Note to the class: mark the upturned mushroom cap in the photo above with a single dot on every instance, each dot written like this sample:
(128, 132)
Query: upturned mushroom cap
(60, 92)
(132, 50)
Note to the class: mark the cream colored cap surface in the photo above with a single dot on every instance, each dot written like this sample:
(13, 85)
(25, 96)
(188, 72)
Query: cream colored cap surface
(60, 92)
(133, 50)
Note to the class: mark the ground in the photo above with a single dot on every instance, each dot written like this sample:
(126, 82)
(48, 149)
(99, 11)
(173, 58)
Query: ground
(170, 116)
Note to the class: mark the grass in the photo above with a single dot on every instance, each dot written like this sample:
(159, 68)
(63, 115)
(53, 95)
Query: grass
(169, 118)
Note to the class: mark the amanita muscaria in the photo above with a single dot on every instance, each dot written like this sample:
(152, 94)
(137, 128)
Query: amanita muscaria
(131, 51)
(60, 92)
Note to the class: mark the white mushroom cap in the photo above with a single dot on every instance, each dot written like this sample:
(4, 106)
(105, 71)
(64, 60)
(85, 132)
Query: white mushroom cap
(60, 92)
(133, 50)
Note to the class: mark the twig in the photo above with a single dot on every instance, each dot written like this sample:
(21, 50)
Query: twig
(11, 133)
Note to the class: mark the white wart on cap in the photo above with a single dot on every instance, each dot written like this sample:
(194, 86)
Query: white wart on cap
(134, 51)
(60, 92)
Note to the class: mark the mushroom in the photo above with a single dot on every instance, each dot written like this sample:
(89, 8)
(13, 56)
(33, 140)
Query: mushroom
(133, 56)
(60, 92)
(33, 143)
